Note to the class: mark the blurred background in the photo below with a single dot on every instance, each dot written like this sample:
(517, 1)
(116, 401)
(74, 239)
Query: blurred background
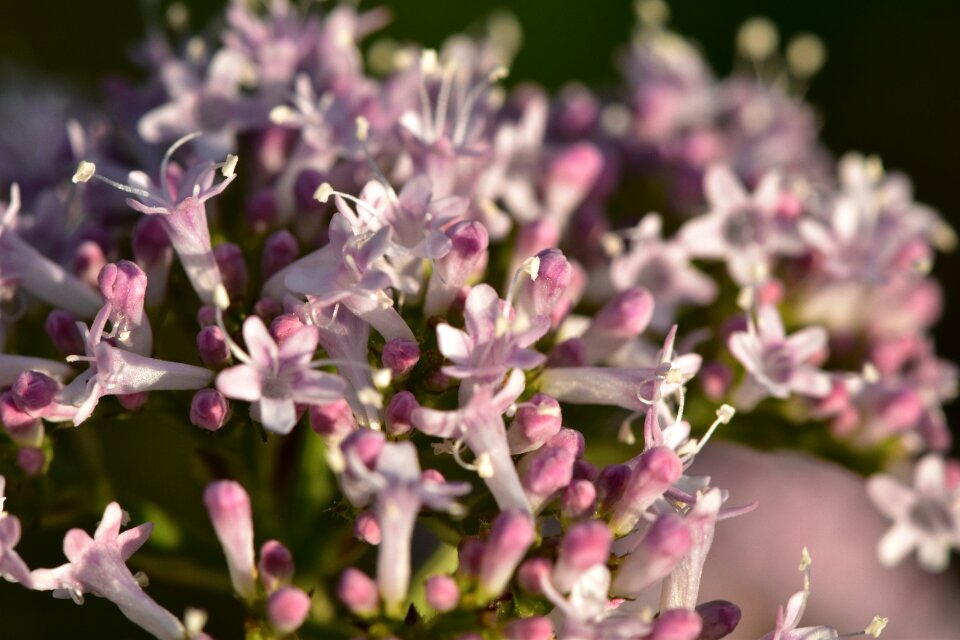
(890, 87)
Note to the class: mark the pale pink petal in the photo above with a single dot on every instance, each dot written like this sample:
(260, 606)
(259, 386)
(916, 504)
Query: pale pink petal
(896, 544)
(300, 346)
(317, 387)
(482, 309)
(453, 343)
(930, 475)
(769, 323)
(260, 344)
(808, 381)
(934, 554)
(807, 342)
(723, 189)
(277, 414)
(241, 382)
(892, 498)
(442, 424)
(109, 526)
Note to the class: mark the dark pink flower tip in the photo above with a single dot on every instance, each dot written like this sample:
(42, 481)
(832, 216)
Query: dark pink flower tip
(32, 391)
(358, 592)
(532, 572)
(150, 241)
(279, 251)
(626, 315)
(365, 444)
(305, 186)
(276, 564)
(470, 241)
(554, 274)
(284, 326)
(511, 535)
(333, 419)
(124, 285)
(212, 346)
(534, 628)
(288, 608)
(578, 166)
(400, 355)
(209, 409)
(719, 618)
(569, 353)
(442, 593)
(585, 544)
(952, 474)
(612, 482)
(398, 412)
(668, 537)
(366, 528)
(133, 401)
(88, 260)
(233, 268)
(569, 439)
(14, 419)
(432, 475)
(470, 554)
(579, 500)
(261, 211)
(550, 469)
(584, 470)
(676, 624)
(62, 329)
(31, 460)
(539, 418)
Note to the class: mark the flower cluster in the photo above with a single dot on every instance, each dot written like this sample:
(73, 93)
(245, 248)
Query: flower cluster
(430, 270)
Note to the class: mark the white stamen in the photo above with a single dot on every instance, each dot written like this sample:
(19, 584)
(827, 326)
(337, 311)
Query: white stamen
(229, 166)
(805, 559)
(194, 620)
(363, 128)
(806, 55)
(142, 579)
(484, 465)
(221, 299)
(876, 626)
(323, 193)
(531, 266)
(196, 49)
(428, 62)
(725, 413)
(757, 39)
(870, 373)
(382, 378)
(178, 16)
(745, 298)
(673, 376)
(612, 244)
(653, 13)
(335, 459)
(282, 114)
(85, 171)
(625, 433)
(498, 73)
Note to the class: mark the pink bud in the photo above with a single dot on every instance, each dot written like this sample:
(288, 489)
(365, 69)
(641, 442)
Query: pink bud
(584, 470)
(212, 346)
(585, 545)
(676, 624)
(575, 168)
(31, 460)
(287, 609)
(534, 237)
(655, 471)
(284, 326)
(719, 618)
(333, 420)
(901, 410)
(611, 484)
(665, 544)
(64, 333)
(470, 554)
(15, 421)
(261, 211)
(715, 379)
(366, 528)
(400, 355)
(442, 593)
(229, 508)
(305, 186)
(952, 474)
(151, 245)
(538, 297)
(549, 470)
(233, 268)
(358, 592)
(536, 421)
(431, 475)
(569, 439)
(510, 537)
(124, 286)
(467, 254)
(88, 260)
(276, 565)
(625, 315)
(577, 112)
(279, 251)
(569, 353)
(209, 409)
(398, 412)
(532, 572)
(133, 401)
(534, 628)
(268, 309)
(207, 315)
(579, 500)
(33, 391)
(366, 444)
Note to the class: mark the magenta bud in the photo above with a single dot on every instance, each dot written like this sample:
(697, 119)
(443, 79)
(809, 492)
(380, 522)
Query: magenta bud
(569, 439)
(88, 260)
(276, 565)
(666, 543)
(715, 379)
(133, 401)
(719, 619)
(584, 470)
(279, 251)
(268, 309)
(287, 609)
(15, 420)
(625, 315)
(468, 253)
(577, 112)
(400, 355)
(229, 508)
(209, 409)
(212, 346)
(510, 537)
(284, 326)
(207, 316)
(150, 241)
(124, 285)
(366, 528)
(569, 353)
(531, 574)
(233, 268)
(539, 296)
(366, 444)
(31, 460)
(611, 483)
(585, 545)
(576, 167)
(33, 391)
(333, 420)
(358, 592)
(64, 333)
(533, 628)
(579, 500)
(549, 470)
(398, 412)
(535, 422)
(261, 210)
(304, 186)
(655, 471)
(676, 624)
(470, 554)
(442, 593)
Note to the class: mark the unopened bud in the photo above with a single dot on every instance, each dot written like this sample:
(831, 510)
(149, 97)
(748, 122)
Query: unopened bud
(279, 251)
(510, 537)
(358, 592)
(442, 593)
(399, 411)
(276, 565)
(212, 346)
(233, 268)
(287, 609)
(333, 420)
(400, 355)
(367, 529)
(209, 409)
(229, 508)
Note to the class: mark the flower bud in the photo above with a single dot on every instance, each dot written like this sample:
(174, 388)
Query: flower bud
(549, 470)
(304, 187)
(212, 346)
(33, 391)
(531, 573)
(715, 379)
(31, 460)
(365, 444)
(579, 500)
(400, 355)
(534, 237)
(276, 565)
(510, 537)
(398, 412)
(88, 260)
(468, 252)
(470, 554)
(431, 475)
(533, 628)
(333, 420)
(284, 326)
(279, 251)
(358, 592)
(233, 268)
(656, 470)
(442, 593)
(268, 309)
(676, 624)
(584, 470)
(665, 544)
(124, 285)
(151, 246)
(229, 508)
(622, 318)
(536, 421)
(539, 296)
(611, 483)
(366, 528)
(62, 329)
(719, 619)
(133, 401)
(261, 210)
(569, 353)
(585, 545)
(570, 177)
(209, 409)
(569, 439)
(16, 422)
(287, 609)
(207, 315)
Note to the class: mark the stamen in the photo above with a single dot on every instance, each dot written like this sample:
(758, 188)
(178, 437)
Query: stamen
(485, 465)
(876, 626)
(221, 298)
(229, 166)
(235, 349)
(13, 207)
(85, 171)
(757, 39)
(283, 114)
(136, 191)
(805, 55)
(173, 149)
